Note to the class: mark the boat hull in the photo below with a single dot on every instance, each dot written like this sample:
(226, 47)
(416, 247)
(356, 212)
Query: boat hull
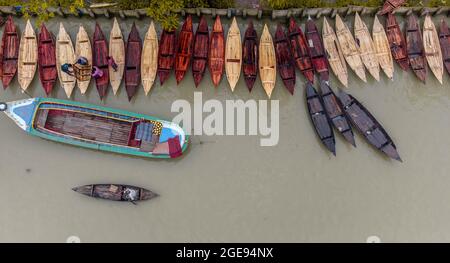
(200, 52)
(444, 40)
(397, 42)
(10, 52)
(216, 58)
(316, 50)
(299, 50)
(133, 62)
(284, 59)
(414, 46)
(166, 54)
(250, 56)
(100, 53)
(184, 51)
(47, 60)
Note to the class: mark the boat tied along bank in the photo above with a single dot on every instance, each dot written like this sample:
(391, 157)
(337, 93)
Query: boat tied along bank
(47, 60)
(116, 192)
(299, 50)
(444, 40)
(414, 46)
(316, 50)
(9, 52)
(200, 52)
(133, 62)
(184, 50)
(284, 59)
(250, 54)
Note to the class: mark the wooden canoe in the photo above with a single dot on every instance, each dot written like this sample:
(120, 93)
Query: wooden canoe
(184, 51)
(10, 52)
(216, 58)
(284, 59)
(319, 118)
(299, 50)
(83, 48)
(115, 192)
(47, 60)
(117, 52)
(100, 60)
(267, 61)
(382, 48)
(368, 126)
(397, 42)
(200, 52)
(149, 59)
(133, 62)
(414, 46)
(349, 48)
(444, 39)
(316, 50)
(65, 54)
(390, 5)
(432, 48)
(334, 53)
(166, 54)
(233, 54)
(366, 48)
(250, 56)
(28, 56)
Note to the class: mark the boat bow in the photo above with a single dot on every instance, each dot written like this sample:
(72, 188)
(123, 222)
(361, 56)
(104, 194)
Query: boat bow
(20, 111)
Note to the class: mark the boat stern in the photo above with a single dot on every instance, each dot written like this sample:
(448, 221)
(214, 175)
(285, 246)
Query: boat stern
(20, 111)
(147, 194)
(176, 138)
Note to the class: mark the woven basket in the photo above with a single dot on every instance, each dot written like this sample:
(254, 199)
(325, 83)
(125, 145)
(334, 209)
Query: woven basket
(82, 72)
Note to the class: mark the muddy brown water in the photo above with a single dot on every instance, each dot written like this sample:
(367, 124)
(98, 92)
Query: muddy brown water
(229, 188)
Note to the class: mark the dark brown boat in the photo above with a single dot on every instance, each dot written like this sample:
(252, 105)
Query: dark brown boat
(299, 50)
(316, 51)
(100, 54)
(397, 42)
(368, 126)
(414, 46)
(216, 58)
(250, 56)
(47, 60)
(390, 5)
(10, 52)
(444, 40)
(166, 54)
(319, 118)
(115, 192)
(200, 52)
(185, 40)
(284, 59)
(133, 62)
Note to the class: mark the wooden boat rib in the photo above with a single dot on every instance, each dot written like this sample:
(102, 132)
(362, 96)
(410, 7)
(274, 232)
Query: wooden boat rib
(316, 50)
(390, 5)
(117, 52)
(184, 52)
(397, 42)
(444, 40)
(382, 48)
(233, 54)
(216, 58)
(83, 48)
(200, 52)
(414, 46)
(267, 61)
(300, 51)
(334, 53)
(432, 48)
(284, 59)
(65, 54)
(115, 192)
(366, 48)
(97, 127)
(28, 56)
(166, 54)
(149, 59)
(133, 62)
(250, 56)
(100, 60)
(10, 52)
(47, 60)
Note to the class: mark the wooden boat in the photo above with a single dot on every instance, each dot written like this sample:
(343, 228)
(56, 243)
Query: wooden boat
(368, 126)
(216, 58)
(432, 48)
(444, 40)
(97, 127)
(28, 56)
(349, 48)
(115, 192)
(149, 59)
(65, 55)
(334, 53)
(100, 60)
(414, 46)
(184, 52)
(390, 5)
(316, 50)
(284, 59)
(250, 56)
(10, 52)
(397, 42)
(299, 50)
(382, 48)
(117, 52)
(166, 54)
(133, 62)
(233, 54)
(83, 48)
(200, 52)
(47, 60)
(366, 48)
(267, 61)
(319, 118)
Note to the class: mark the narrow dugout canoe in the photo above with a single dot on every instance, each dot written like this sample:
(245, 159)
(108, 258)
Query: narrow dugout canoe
(10, 52)
(83, 48)
(115, 192)
(216, 59)
(397, 42)
(65, 54)
(366, 48)
(133, 62)
(316, 50)
(284, 59)
(100, 60)
(334, 53)
(184, 52)
(299, 50)
(267, 61)
(414, 46)
(96, 127)
(28, 56)
(233, 54)
(382, 48)
(432, 48)
(47, 60)
(149, 59)
(444, 40)
(200, 52)
(390, 5)
(250, 56)
(117, 52)
(166, 54)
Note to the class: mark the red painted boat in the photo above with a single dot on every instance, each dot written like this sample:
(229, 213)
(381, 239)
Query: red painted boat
(184, 53)
(100, 53)
(397, 42)
(390, 5)
(10, 49)
(216, 56)
(284, 59)
(444, 40)
(47, 60)
(316, 50)
(299, 50)
(133, 62)
(166, 55)
(250, 56)
(414, 46)
(200, 52)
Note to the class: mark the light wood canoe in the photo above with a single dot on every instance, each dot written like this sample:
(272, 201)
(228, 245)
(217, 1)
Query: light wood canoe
(382, 48)
(83, 48)
(117, 52)
(233, 54)
(334, 53)
(366, 48)
(149, 59)
(432, 48)
(267, 61)
(349, 48)
(28, 55)
(65, 54)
